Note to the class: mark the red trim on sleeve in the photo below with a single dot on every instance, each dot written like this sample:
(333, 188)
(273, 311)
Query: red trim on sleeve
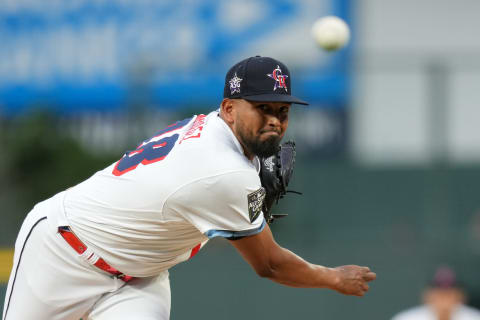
(195, 250)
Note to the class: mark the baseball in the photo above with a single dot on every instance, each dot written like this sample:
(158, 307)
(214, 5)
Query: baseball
(330, 33)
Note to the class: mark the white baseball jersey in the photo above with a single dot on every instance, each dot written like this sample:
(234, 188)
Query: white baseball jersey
(461, 312)
(160, 203)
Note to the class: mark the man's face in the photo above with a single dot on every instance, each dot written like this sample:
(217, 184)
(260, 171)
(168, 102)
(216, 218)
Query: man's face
(443, 300)
(260, 126)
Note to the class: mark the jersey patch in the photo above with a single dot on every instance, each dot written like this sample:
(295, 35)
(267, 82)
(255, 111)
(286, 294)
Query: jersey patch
(255, 202)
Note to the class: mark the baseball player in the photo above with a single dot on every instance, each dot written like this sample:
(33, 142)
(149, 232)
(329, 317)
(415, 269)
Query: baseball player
(102, 249)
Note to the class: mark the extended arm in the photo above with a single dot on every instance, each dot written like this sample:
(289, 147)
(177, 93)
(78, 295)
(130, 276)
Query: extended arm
(278, 264)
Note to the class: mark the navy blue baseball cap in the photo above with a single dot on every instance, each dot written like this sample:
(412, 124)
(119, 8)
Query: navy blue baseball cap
(260, 79)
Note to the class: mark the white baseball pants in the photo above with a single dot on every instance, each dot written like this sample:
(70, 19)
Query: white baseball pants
(50, 281)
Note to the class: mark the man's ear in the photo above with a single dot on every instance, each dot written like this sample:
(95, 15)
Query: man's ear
(227, 111)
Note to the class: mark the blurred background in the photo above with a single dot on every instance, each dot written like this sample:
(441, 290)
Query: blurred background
(388, 150)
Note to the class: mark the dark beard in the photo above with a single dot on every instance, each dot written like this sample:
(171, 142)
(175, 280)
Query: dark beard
(263, 149)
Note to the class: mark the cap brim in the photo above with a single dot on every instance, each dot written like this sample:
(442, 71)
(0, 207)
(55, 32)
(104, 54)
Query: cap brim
(268, 97)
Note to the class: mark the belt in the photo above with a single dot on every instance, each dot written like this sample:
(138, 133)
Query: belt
(80, 248)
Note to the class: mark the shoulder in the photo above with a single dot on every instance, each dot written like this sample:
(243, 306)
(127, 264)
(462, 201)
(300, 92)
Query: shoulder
(219, 202)
(222, 185)
(222, 193)
(214, 150)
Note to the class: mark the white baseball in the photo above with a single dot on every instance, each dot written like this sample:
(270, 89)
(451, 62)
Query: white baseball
(330, 33)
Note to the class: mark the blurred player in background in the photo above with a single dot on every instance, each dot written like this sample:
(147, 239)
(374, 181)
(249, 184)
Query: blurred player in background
(443, 299)
(102, 249)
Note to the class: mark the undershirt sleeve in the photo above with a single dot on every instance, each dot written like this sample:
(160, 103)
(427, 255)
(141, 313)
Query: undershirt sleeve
(226, 205)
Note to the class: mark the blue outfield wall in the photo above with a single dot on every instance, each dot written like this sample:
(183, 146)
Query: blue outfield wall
(103, 55)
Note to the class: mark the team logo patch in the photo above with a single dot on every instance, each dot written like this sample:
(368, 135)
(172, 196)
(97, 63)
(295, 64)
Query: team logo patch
(255, 202)
(280, 79)
(235, 84)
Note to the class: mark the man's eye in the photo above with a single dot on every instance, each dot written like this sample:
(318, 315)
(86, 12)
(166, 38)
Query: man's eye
(262, 107)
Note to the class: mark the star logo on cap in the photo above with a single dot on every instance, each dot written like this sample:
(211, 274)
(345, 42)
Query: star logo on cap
(235, 84)
(280, 79)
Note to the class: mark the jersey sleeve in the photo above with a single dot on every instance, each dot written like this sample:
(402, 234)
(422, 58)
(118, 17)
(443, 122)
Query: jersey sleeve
(227, 205)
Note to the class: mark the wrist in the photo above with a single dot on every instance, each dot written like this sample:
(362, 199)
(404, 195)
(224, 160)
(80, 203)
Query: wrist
(333, 278)
(328, 277)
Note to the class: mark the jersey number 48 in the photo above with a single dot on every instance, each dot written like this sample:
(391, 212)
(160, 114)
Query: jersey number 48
(150, 151)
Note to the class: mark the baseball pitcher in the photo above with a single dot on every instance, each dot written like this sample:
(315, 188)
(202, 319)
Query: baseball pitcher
(102, 249)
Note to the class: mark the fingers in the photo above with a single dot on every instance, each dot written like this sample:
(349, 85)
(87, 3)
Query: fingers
(367, 276)
(359, 289)
(360, 292)
(370, 276)
(355, 280)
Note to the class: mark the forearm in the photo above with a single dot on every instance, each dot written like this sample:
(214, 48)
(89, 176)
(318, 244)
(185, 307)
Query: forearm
(291, 270)
(271, 261)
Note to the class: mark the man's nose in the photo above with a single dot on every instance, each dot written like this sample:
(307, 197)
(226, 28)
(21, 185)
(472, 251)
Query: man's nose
(273, 120)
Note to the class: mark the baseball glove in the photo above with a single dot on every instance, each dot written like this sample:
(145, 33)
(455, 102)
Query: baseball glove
(275, 174)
